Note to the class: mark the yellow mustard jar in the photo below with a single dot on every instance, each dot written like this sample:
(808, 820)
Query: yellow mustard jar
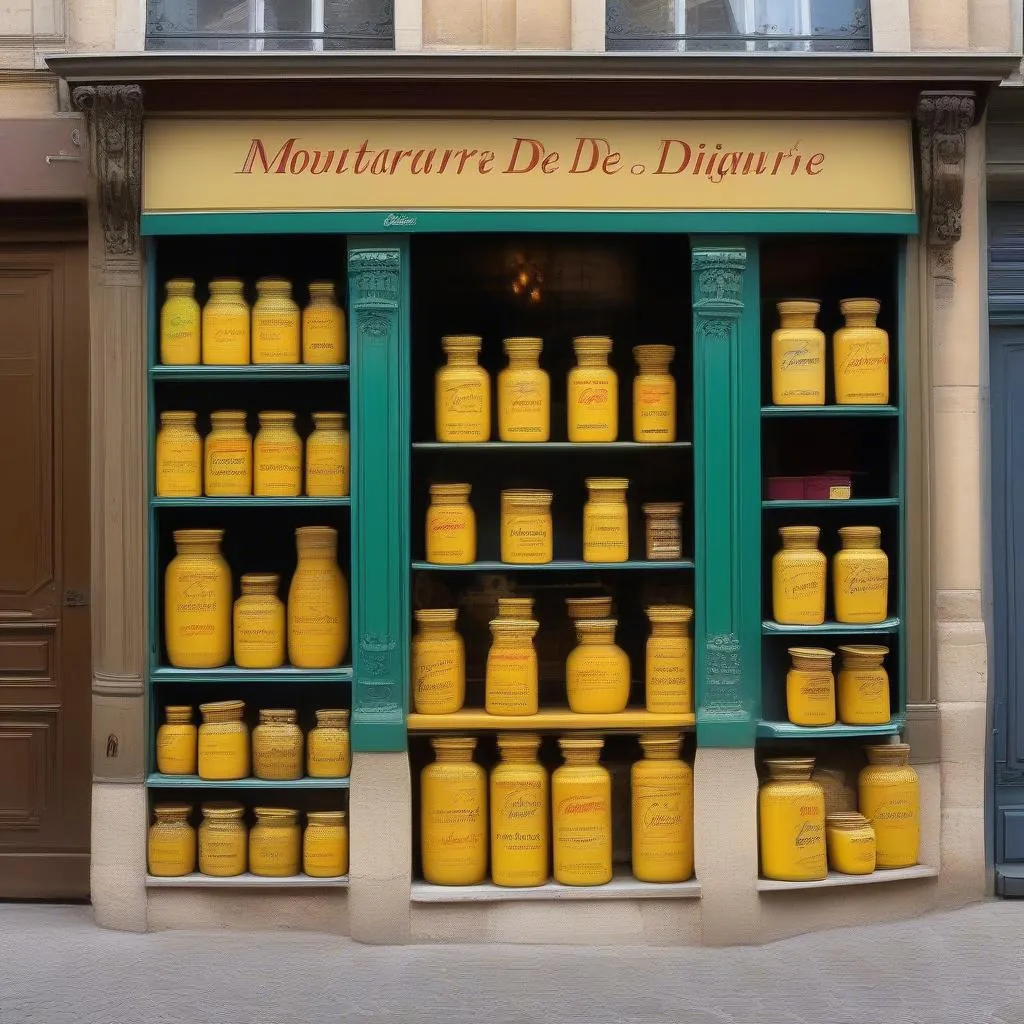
(180, 324)
(259, 622)
(668, 673)
(275, 843)
(662, 810)
(179, 456)
(860, 576)
(597, 670)
(526, 528)
(515, 608)
(325, 845)
(592, 393)
(606, 520)
(811, 687)
(277, 745)
(588, 607)
(888, 794)
(197, 601)
(654, 395)
(581, 813)
(276, 324)
(328, 456)
(798, 355)
(863, 685)
(223, 741)
(328, 747)
(453, 814)
(324, 340)
(511, 686)
(451, 525)
(318, 606)
(277, 456)
(228, 455)
(850, 840)
(226, 324)
(798, 578)
(462, 392)
(524, 393)
(223, 840)
(171, 843)
(176, 742)
(860, 351)
(438, 662)
(791, 817)
(519, 813)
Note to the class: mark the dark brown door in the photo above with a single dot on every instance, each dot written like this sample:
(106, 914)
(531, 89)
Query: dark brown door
(45, 775)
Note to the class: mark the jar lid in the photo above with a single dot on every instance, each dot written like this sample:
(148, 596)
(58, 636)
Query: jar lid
(587, 627)
(811, 653)
(525, 346)
(223, 707)
(273, 284)
(280, 814)
(596, 344)
(800, 532)
(228, 416)
(860, 306)
(317, 536)
(326, 817)
(606, 483)
(332, 714)
(846, 820)
(455, 743)
(440, 616)
(527, 498)
(860, 532)
(661, 739)
(226, 284)
(887, 753)
(198, 536)
(798, 306)
(588, 607)
(172, 812)
(288, 715)
(450, 490)
(654, 355)
(789, 767)
(180, 283)
(669, 613)
(662, 508)
(178, 712)
(276, 416)
(526, 627)
(329, 417)
(177, 416)
(581, 741)
(223, 811)
(461, 342)
(520, 740)
(321, 287)
(863, 650)
(269, 580)
(515, 607)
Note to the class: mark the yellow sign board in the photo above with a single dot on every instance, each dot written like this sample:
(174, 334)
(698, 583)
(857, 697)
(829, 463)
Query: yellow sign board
(433, 164)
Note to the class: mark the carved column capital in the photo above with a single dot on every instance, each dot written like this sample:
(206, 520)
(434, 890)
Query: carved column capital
(942, 122)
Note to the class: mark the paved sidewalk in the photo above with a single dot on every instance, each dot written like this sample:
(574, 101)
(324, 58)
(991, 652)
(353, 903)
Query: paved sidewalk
(965, 967)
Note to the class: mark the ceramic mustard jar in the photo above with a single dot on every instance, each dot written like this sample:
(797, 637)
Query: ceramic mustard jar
(451, 525)
(668, 672)
(581, 813)
(860, 353)
(179, 456)
(850, 841)
(526, 528)
(277, 456)
(811, 687)
(276, 323)
(524, 393)
(223, 840)
(328, 456)
(227, 463)
(511, 686)
(462, 392)
(277, 745)
(259, 633)
(663, 530)
(588, 607)
(176, 742)
(275, 843)
(519, 812)
(318, 604)
(662, 810)
(606, 520)
(197, 601)
(791, 818)
(453, 814)
(180, 324)
(438, 662)
(888, 794)
(592, 393)
(325, 845)
(597, 670)
(515, 608)
(223, 741)
(798, 578)
(863, 685)
(324, 338)
(226, 327)
(860, 576)
(798, 355)
(654, 395)
(171, 843)
(328, 745)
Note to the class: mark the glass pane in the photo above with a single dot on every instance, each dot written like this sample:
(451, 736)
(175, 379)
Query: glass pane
(850, 20)
(641, 25)
(780, 18)
(359, 24)
(199, 24)
(714, 24)
(287, 24)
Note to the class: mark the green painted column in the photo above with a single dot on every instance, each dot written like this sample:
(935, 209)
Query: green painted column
(727, 489)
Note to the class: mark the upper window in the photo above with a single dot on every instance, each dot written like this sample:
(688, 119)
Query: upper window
(731, 25)
(270, 24)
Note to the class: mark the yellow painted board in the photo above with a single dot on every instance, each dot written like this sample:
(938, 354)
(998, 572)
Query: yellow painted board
(469, 719)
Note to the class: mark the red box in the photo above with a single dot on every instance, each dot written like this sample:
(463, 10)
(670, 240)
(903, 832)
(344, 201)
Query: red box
(785, 488)
(828, 486)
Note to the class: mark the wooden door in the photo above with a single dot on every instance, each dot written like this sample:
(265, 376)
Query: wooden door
(45, 776)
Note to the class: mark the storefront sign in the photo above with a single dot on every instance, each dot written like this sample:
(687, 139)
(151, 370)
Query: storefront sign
(430, 164)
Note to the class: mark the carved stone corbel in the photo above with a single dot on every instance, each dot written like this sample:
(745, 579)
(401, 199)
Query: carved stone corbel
(942, 122)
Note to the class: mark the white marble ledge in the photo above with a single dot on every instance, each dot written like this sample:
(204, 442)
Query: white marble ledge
(836, 879)
(245, 881)
(622, 887)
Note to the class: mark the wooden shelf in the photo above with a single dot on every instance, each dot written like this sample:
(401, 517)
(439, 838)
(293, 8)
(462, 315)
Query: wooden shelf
(245, 881)
(621, 887)
(303, 501)
(157, 781)
(562, 565)
(471, 719)
(892, 625)
(835, 879)
(249, 372)
(230, 674)
(548, 446)
(829, 411)
(812, 504)
(789, 731)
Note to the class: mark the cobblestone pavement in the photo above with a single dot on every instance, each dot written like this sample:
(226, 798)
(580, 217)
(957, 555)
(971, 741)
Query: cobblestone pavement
(56, 967)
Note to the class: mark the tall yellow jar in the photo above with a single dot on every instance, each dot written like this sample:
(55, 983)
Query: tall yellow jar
(654, 395)
(597, 670)
(328, 746)
(662, 811)
(277, 456)
(325, 845)
(606, 520)
(318, 628)
(811, 687)
(462, 392)
(798, 578)
(259, 622)
(668, 673)
(592, 393)
(228, 455)
(850, 839)
(226, 324)
(860, 351)
(180, 324)
(453, 814)
(524, 393)
(519, 813)
(581, 813)
(223, 741)
(438, 662)
(526, 528)
(863, 685)
(277, 745)
(511, 677)
(860, 576)
(197, 601)
(176, 742)
(791, 816)
(179, 456)
(798, 355)
(328, 456)
(276, 329)
(171, 843)
(324, 340)
(223, 840)
(275, 843)
(451, 525)
(888, 793)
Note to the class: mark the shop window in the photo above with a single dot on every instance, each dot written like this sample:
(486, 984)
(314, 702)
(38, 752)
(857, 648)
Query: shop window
(738, 25)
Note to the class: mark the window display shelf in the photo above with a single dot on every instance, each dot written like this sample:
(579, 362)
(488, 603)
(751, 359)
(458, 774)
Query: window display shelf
(630, 720)
(245, 881)
(836, 879)
(250, 372)
(157, 781)
(789, 731)
(303, 501)
(233, 674)
(561, 565)
(829, 410)
(621, 887)
(810, 504)
(549, 446)
(832, 628)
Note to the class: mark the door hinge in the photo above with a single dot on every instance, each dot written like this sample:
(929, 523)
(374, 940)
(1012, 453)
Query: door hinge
(75, 599)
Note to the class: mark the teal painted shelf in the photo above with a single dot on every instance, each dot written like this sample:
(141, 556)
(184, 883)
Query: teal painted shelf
(798, 503)
(832, 628)
(233, 674)
(239, 373)
(250, 502)
(789, 731)
(829, 410)
(564, 565)
(548, 446)
(157, 781)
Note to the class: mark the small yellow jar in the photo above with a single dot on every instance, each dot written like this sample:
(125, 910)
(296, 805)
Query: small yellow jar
(179, 324)
(328, 456)
(277, 745)
(597, 670)
(451, 525)
(276, 327)
(171, 844)
(259, 622)
(889, 796)
(176, 742)
(511, 681)
(223, 840)
(438, 662)
(325, 845)
(526, 529)
(850, 840)
(662, 810)
(860, 576)
(860, 351)
(328, 750)
(515, 608)
(592, 393)
(798, 578)
(324, 338)
(223, 741)
(668, 675)
(811, 687)
(581, 813)
(798, 355)
(277, 456)
(863, 686)
(519, 813)
(791, 815)
(462, 392)
(275, 843)
(588, 607)
(524, 393)
(318, 601)
(226, 324)
(654, 395)
(228, 459)
(197, 601)
(606, 520)
(179, 456)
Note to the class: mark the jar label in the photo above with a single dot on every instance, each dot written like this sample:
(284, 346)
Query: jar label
(511, 683)
(228, 466)
(179, 467)
(526, 537)
(863, 370)
(449, 534)
(800, 589)
(654, 413)
(800, 372)
(171, 852)
(259, 630)
(328, 752)
(582, 830)
(275, 337)
(277, 752)
(438, 678)
(274, 850)
(605, 532)
(222, 850)
(662, 820)
(454, 826)
(669, 677)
